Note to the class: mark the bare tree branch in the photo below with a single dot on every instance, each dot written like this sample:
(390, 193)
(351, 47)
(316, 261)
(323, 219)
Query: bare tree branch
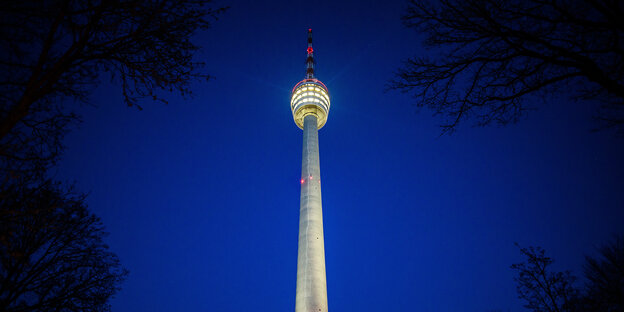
(542, 289)
(52, 256)
(57, 51)
(490, 55)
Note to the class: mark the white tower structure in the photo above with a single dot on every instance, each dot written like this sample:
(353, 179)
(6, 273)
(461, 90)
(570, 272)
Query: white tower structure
(309, 103)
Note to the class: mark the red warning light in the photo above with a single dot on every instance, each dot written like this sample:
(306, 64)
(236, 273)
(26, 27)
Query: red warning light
(302, 180)
(311, 178)
(309, 29)
(310, 50)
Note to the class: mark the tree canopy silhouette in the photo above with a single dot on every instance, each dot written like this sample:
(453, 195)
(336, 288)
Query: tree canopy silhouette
(605, 278)
(544, 289)
(490, 55)
(52, 257)
(58, 50)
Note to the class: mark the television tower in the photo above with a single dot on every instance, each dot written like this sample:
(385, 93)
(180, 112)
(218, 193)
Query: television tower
(309, 103)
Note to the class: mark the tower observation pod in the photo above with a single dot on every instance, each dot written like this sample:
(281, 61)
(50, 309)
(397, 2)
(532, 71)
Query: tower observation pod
(309, 103)
(310, 96)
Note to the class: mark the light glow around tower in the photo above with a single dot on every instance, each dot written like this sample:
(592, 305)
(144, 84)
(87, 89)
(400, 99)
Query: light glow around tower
(310, 97)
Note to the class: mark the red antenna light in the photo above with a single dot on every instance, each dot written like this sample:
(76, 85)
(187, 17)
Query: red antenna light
(310, 50)
(302, 180)
(309, 29)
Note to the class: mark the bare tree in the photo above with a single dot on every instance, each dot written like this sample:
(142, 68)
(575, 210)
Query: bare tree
(58, 50)
(52, 256)
(490, 55)
(544, 290)
(605, 278)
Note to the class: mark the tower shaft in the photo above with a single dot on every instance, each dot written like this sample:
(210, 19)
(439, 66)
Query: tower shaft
(311, 282)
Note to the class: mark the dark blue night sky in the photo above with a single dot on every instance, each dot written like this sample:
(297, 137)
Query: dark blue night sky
(201, 196)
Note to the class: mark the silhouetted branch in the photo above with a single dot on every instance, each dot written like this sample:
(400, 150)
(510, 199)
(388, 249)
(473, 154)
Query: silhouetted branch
(540, 288)
(52, 257)
(54, 51)
(490, 55)
(605, 277)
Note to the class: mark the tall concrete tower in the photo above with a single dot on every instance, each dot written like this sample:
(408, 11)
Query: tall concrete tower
(309, 103)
